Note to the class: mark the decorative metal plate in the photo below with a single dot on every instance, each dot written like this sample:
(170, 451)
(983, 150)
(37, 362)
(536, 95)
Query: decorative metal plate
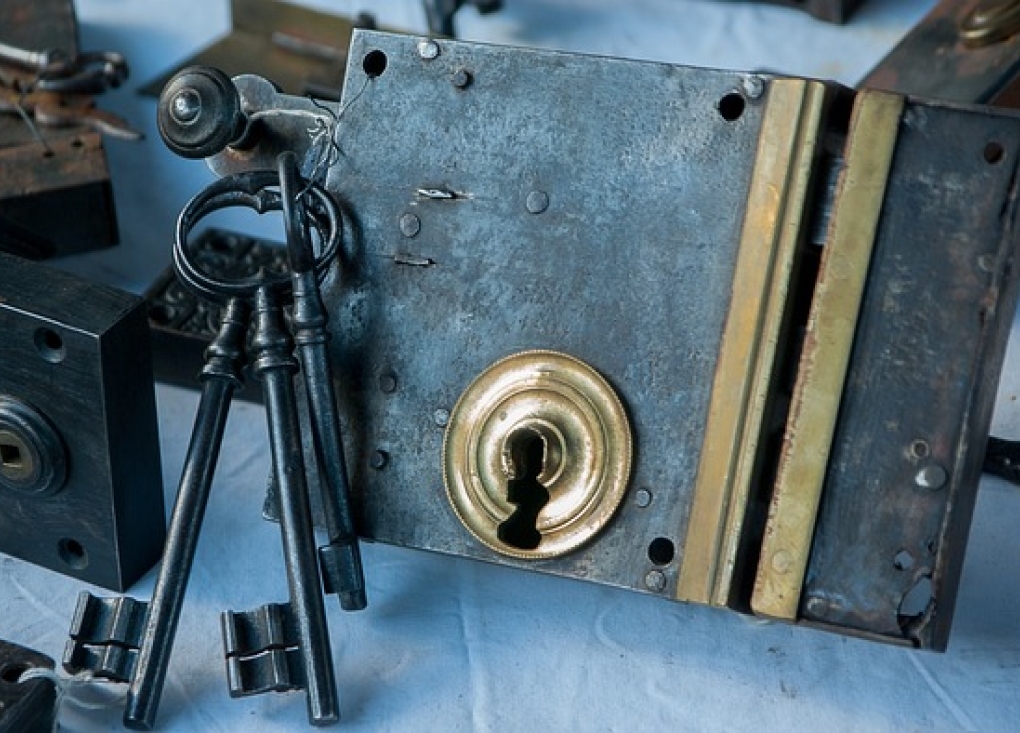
(584, 444)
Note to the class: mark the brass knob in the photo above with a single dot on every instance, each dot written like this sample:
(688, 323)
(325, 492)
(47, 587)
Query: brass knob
(991, 21)
(537, 455)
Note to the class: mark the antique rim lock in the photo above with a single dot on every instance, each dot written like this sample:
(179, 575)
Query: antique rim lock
(537, 455)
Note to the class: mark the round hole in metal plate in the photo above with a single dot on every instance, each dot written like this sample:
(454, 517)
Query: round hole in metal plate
(50, 345)
(994, 152)
(731, 107)
(661, 551)
(11, 673)
(374, 63)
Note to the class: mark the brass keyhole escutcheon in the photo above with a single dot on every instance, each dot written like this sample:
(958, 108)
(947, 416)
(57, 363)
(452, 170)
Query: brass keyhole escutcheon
(537, 455)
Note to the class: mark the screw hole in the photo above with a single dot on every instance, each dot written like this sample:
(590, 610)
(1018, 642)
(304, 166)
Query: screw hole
(994, 152)
(11, 673)
(73, 553)
(49, 345)
(920, 449)
(661, 551)
(731, 107)
(374, 63)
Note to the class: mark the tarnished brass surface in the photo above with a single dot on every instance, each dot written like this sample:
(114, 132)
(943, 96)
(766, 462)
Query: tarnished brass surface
(826, 355)
(991, 21)
(587, 448)
(773, 227)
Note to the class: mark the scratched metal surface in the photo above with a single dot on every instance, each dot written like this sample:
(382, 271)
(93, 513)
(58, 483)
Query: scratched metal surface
(922, 381)
(629, 268)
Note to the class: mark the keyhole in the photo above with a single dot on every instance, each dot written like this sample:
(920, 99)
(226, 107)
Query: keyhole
(526, 492)
(16, 463)
(10, 457)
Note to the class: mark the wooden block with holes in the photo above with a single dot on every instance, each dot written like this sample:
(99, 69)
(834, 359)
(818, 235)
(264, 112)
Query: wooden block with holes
(80, 480)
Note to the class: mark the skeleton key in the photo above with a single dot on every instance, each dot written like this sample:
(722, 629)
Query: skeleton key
(274, 365)
(305, 642)
(221, 376)
(341, 558)
(105, 626)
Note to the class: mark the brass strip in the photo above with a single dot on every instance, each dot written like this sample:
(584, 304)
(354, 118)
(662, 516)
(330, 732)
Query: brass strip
(834, 311)
(773, 226)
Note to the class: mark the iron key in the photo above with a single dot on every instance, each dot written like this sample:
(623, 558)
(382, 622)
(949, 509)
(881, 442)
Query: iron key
(274, 365)
(341, 558)
(221, 376)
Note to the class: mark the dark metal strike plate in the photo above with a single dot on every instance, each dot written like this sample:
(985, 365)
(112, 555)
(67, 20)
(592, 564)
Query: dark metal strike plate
(73, 178)
(799, 295)
(28, 706)
(941, 59)
(80, 480)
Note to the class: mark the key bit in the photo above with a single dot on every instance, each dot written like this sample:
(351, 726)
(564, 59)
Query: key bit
(262, 651)
(35, 60)
(105, 636)
(341, 558)
(92, 72)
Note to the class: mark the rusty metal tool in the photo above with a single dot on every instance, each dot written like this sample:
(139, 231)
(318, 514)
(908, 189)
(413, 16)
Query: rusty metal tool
(58, 109)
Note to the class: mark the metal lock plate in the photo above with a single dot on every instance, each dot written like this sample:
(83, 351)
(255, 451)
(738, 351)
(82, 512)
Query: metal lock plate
(796, 302)
(80, 480)
(498, 229)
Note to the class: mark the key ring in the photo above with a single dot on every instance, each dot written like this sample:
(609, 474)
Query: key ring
(252, 190)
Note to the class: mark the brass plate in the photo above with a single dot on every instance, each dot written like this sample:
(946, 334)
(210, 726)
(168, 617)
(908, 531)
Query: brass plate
(773, 229)
(786, 546)
(587, 450)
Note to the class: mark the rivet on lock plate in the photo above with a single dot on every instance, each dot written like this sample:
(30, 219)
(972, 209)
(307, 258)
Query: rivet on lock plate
(537, 455)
